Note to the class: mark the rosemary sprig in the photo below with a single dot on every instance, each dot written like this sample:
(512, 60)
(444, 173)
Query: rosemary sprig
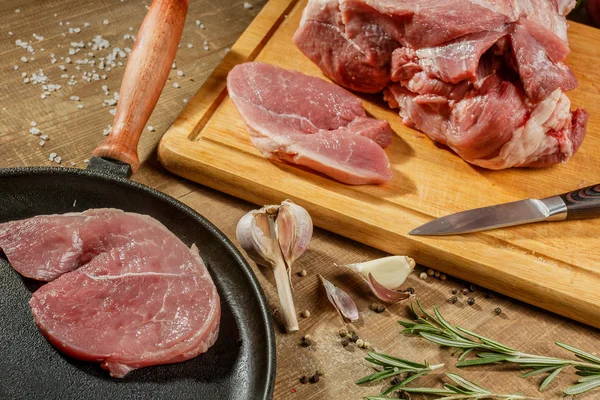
(437, 330)
(462, 389)
(393, 366)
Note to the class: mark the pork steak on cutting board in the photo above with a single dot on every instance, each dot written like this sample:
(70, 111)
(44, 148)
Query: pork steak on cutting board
(304, 120)
(136, 296)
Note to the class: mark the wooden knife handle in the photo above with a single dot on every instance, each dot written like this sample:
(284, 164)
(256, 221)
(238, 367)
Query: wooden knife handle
(583, 203)
(145, 75)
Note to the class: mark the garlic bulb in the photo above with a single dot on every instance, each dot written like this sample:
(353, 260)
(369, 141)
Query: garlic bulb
(275, 236)
(389, 272)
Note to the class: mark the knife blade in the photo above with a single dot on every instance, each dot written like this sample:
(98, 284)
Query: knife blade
(579, 204)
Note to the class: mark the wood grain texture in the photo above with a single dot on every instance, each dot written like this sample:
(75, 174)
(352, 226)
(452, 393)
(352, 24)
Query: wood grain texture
(74, 133)
(145, 76)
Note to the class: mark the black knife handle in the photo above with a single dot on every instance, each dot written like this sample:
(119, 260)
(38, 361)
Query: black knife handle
(583, 203)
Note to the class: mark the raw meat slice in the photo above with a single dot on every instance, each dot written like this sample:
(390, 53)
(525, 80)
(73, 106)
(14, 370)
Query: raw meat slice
(143, 299)
(306, 121)
(481, 76)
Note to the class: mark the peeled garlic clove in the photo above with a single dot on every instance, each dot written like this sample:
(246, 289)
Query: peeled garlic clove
(385, 294)
(389, 272)
(294, 230)
(342, 302)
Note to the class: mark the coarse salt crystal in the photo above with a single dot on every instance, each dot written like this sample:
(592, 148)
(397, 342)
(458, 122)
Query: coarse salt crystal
(58, 159)
(80, 106)
(16, 67)
(24, 59)
(10, 33)
(113, 111)
(17, 10)
(107, 131)
(173, 66)
(74, 98)
(247, 5)
(198, 22)
(176, 85)
(42, 143)
(86, 24)
(206, 48)
(34, 131)
(180, 73)
(189, 45)
(150, 128)
(105, 22)
(185, 101)
(86, 161)
(44, 137)
(52, 156)
(43, 96)
(33, 123)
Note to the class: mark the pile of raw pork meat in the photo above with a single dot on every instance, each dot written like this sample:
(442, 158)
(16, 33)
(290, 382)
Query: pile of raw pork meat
(483, 77)
(123, 290)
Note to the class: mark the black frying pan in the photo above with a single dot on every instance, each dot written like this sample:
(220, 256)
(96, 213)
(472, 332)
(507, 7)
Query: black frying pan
(241, 365)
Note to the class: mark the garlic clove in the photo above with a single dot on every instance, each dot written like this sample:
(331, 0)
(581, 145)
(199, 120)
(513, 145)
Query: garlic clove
(385, 294)
(294, 230)
(389, 272)
(342, 302)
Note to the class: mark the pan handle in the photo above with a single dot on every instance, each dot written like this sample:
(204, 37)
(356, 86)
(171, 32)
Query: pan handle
(145, 76)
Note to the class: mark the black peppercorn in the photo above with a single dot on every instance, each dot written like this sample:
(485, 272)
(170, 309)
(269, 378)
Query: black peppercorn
(454, 291)
(465, 291)
(498, 311)
(410, 290)
(303, 379)
(471, 288)
(306, 342)
(488, 295)
(345, 342)
(453, 299)
(353, 337)
(395, 381)
(314, 379)
(471, 301)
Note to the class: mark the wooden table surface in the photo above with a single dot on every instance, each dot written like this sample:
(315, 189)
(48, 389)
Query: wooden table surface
(74, 132)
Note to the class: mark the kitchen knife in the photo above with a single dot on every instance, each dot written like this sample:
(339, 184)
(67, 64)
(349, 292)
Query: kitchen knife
(580, 204)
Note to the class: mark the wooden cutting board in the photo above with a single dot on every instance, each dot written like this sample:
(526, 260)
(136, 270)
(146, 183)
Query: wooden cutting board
(551, 265)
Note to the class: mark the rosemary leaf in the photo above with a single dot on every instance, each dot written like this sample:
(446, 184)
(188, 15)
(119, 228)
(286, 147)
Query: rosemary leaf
(376, 377)
(482, 361)
(456, 389)
(584, 355)
(582, 387)
(428, 391)
(550, 378)
(464, 354)
(538, 371)
(589, 378)
(458, 343)
(404, 383)
(466, 384)
(394, 361)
